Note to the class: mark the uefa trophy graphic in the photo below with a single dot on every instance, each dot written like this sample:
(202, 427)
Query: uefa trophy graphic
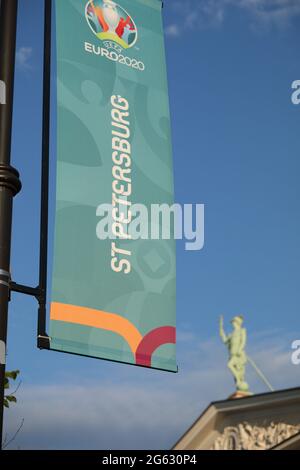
(111, 15)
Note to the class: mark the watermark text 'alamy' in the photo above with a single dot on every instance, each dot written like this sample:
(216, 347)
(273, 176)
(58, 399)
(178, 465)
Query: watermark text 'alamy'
(159, 221)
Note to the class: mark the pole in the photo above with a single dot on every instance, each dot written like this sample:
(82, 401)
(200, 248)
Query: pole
(10, 183)
(260, 374)
(43, 339)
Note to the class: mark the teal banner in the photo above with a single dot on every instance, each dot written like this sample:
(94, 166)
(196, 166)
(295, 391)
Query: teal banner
(113, 294)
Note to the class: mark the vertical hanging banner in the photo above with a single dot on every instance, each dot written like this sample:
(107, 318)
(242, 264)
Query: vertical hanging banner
(112, 297)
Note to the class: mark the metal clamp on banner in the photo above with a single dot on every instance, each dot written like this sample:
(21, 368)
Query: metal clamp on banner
(43, 342)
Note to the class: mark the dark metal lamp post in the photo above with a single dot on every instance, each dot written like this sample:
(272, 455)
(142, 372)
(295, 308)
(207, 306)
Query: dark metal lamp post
(10, 183)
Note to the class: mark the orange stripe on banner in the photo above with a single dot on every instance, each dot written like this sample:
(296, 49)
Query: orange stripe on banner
(97, 319)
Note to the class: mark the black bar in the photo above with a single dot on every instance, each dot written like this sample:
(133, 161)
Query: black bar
(10, 183)
(33, 291)
(42, 335)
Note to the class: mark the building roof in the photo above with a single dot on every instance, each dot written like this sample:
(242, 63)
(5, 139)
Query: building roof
(276, 405)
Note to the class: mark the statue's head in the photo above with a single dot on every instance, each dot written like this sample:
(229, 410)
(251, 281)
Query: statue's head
(237, 321)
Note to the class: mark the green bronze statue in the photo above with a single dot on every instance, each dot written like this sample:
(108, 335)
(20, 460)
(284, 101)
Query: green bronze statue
(236, 343)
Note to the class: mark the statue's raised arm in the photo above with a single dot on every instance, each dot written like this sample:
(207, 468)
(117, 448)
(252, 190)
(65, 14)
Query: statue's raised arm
(222, 332)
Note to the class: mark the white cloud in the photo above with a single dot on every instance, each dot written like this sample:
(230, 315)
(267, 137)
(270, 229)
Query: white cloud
(277, 13)
(172, 30)
(23, 57)
(199, 14)
(139, 408)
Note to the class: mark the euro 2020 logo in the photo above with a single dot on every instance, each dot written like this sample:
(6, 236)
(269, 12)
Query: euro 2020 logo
(110, 22)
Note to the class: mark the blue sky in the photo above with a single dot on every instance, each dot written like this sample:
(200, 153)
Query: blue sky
(231, 64)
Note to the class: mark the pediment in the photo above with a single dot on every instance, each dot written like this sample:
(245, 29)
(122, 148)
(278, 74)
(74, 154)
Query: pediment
(257, 422)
